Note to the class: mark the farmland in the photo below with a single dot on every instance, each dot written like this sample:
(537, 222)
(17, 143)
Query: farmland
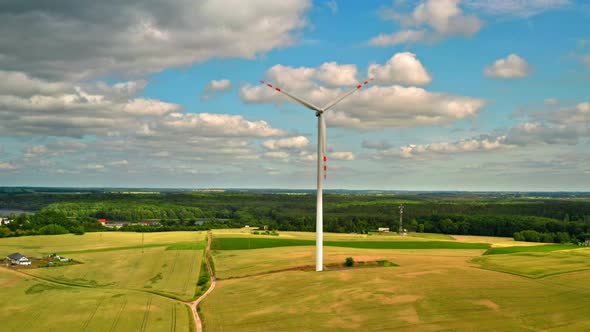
(119, 286)
(449, 288)
(433, 282)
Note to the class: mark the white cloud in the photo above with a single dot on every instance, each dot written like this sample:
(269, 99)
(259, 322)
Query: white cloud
(334, 74)
(435, 20)
(149, 107)
(119, 163)
(87, 40)
(373, 107)
(218, 85)
(333, 5)
(401, 37)
(476, 144)
(519, 8)
(343, 155)
(551, 101)
(563, 127)
(6, 166)
(297, 142)
(276, 154)
(512, 66)
(402, 68)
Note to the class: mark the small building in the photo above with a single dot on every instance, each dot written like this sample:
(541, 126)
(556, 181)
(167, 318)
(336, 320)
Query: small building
(102, 221)
(383, 229)
(5, 221)
(18, 259)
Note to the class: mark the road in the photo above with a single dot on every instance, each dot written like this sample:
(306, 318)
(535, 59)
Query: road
(196, 302)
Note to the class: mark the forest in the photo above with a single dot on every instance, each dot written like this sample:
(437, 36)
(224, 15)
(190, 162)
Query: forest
(491, 214)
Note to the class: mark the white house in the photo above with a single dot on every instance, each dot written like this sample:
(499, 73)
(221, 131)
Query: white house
(4, 221)
(383, 229)
(18, 259)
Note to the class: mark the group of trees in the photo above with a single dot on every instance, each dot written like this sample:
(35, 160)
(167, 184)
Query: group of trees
(48, 222)
(547, 237)
(449, 213)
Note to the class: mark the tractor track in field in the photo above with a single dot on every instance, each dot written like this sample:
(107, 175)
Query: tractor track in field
(194, 304)
(116, 321)
(146, 314)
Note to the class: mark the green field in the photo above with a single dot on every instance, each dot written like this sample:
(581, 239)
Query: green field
(452, 289)
(538, 264)
(537, 248)
(118, 287)
(242, 243)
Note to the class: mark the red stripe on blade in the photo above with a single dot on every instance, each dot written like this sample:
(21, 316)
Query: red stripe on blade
(278, 89)
(359, 86)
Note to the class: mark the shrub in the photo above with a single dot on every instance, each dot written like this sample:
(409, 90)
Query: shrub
(52, 230)
(349, 261)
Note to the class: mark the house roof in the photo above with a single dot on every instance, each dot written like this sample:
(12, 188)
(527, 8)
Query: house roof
(16, 256)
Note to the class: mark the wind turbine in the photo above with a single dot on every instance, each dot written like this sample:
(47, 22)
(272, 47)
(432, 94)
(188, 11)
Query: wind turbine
(319, 113)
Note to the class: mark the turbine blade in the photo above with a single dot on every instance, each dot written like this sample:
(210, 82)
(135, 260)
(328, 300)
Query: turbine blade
(339, 99)
(297, 99)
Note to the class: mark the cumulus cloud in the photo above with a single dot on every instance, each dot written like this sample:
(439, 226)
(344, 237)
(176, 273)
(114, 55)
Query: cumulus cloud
(518, 8)
(401, 37)
(342, 155)
(214, 87)
(430, 20)
(376, 145)
(277, 154)
(475, 144)
(563, 127)
(373, 107)
(218, 85)
(512, 66)
(75, 40)
(6, 166)
(402, 68)
(297, 142)
(334, 74)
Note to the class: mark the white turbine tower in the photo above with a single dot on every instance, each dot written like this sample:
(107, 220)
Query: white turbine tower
(319, 112)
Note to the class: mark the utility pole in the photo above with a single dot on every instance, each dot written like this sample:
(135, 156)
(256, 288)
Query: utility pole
(401, 216)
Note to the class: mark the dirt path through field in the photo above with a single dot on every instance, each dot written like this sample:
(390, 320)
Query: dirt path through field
(196, 302)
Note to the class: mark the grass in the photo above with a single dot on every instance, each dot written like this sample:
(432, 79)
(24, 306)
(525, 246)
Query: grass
(535, 248)
(538, 264)
(437, 289)
(240, 243)
(120, 285)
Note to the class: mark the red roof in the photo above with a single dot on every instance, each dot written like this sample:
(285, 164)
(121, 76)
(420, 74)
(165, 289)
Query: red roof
(102, 221)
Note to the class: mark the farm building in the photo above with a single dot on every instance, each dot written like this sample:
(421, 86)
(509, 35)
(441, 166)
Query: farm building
(383, 229)
(102, 221)
(18, 259)
(4, 221)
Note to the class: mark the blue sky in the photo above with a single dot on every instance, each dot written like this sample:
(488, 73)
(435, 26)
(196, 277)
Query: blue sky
(468, 95)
